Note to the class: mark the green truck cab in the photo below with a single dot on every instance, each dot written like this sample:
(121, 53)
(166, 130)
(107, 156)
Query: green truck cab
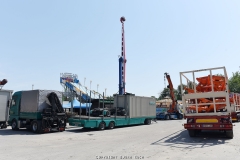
(37, 110)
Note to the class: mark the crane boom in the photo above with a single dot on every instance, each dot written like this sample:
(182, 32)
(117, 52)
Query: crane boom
(170, 86)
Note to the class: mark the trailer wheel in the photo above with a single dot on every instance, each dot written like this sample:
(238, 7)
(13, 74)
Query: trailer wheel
(167, 117)
(101, 126)
(14, 125)
(192, 132)
(111, 125)
(147, 121)
(229, 134)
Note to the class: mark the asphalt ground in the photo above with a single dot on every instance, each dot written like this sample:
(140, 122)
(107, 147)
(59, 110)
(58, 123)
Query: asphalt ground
(166, 140)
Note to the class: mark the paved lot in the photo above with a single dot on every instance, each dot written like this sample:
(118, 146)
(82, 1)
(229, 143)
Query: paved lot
(162, 140)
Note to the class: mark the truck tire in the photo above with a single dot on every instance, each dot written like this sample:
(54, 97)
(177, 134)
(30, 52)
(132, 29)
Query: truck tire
(167, 117)
(147, 121)
(36, 126)
(101, 126)
(191, 132)
(180, 116)
(111, 125)
(238, 117)
(14, 125)
(229, 134)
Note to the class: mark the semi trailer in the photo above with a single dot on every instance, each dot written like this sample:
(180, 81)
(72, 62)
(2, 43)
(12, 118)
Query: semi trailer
(206, 101)
(37, 110)
(5, 99)
(137, 110)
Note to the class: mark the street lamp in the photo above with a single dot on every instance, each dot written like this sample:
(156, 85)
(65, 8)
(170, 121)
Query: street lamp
(105, 92)
(97, 87)
(90, 85)
(32, 86)
(84, 81)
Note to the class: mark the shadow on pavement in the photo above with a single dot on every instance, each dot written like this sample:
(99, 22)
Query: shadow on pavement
(22, 131)
(9, 131)
(83, 130)
(181, 139)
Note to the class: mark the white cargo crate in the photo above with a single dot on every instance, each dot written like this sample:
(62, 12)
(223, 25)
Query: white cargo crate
(136, 106)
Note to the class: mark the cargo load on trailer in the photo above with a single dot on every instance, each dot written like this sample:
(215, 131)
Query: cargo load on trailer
(37, 110)
(206, 101)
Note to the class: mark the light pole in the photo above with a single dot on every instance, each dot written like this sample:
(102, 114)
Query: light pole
(84, 81)
(105, 92)
(32, 86)
(97, 87)
(90, 85)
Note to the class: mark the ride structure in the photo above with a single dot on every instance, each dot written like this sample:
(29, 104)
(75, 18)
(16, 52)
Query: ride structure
(72, 85)
(122, 62)
(127, 109)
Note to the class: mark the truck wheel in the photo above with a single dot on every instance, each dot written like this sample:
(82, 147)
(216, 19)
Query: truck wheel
(14, 125)
(36, 126)
(238, 117)
(111, 125)
(166, 117)
(180, 116)
(101, 126)
(147, 121)
(229, 134)
(192, 132)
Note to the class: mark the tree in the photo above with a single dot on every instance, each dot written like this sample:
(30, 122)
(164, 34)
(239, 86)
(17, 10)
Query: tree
(234, 82)
(154, 97)
(166, 92)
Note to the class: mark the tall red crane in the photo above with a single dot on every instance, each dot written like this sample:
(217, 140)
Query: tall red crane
(170, 86)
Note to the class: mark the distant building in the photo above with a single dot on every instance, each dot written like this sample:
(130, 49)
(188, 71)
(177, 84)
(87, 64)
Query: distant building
(166, 102)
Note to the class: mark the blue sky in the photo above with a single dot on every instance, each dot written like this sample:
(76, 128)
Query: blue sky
(41, 39)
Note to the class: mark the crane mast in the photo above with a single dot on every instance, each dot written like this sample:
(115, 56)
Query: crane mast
(122, 62)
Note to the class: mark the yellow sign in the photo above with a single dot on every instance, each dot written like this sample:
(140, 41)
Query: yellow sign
(206, 121)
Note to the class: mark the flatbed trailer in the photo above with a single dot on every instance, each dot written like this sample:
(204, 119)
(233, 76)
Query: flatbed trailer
(197, 104)
(140, 110)
(235, 101)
